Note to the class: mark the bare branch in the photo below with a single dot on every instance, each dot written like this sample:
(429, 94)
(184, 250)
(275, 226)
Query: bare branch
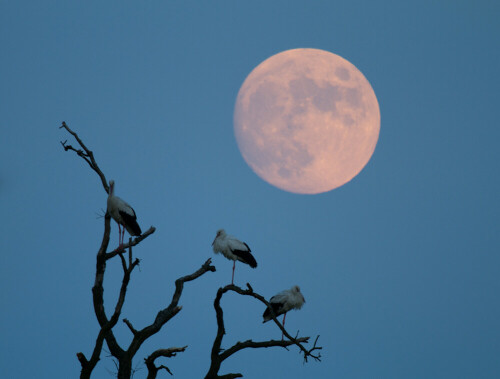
(97, 291)
(217, 357)
(255, 345)
(130, 264)
(170, 311)
(166, 368)
(124, 264)
(179, 283)
(250, 292)
(81, 357)
(132, 329)
(86, 154)
(79, 152)
(317, 357)
(170, 352)
(131, 242)
(88, 366)
(127, 271)
(106, 325)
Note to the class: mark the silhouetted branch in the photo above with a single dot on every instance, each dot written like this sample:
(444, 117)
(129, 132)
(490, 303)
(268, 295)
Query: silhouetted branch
(218, 356)
(86, 154)
(106, 325)
(309, 352)
(130, 243)
(97, 291)
(170, 311)
(150, 361)
(230, 376)
(127, 322)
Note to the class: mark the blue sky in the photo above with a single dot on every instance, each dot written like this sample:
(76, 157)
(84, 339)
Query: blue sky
(399, 267)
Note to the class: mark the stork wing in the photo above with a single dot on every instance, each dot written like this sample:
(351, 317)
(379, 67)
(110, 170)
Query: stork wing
(277, 308)
(245, 257)
(130, 223)
(236, 244)
(281, 297)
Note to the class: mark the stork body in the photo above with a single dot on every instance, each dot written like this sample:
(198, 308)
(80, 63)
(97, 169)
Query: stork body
(283, 302)
(233, 249)
(123, 214)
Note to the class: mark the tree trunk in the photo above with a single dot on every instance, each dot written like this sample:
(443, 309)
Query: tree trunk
(125, 367)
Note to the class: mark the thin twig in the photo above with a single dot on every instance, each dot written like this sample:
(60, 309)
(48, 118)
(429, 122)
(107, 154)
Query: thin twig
(86, 154)
(132, 242)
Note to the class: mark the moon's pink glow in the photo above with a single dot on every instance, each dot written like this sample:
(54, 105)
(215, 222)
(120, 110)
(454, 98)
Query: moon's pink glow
(306, 121)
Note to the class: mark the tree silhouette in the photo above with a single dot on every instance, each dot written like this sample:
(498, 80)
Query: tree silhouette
(124, 356)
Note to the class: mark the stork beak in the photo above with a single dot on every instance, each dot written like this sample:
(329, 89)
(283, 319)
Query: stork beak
(214, 241)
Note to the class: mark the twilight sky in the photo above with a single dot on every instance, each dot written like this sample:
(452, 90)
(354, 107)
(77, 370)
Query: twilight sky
(399, 267)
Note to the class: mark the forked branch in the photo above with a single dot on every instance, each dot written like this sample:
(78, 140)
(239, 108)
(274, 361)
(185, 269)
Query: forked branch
(85, 154)
(170, 311)
(150, 361)
(218, 355)
(132, 242)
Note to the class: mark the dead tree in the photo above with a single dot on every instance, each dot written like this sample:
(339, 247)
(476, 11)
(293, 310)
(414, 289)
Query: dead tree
(124, 356)
(128, 263)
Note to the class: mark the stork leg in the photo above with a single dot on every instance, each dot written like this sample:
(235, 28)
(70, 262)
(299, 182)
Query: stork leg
(284, 317)
(232, 278)
(119, 235)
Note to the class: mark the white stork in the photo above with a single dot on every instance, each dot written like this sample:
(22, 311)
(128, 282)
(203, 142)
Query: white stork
(232, 248)
(123, 214)
(284, 302)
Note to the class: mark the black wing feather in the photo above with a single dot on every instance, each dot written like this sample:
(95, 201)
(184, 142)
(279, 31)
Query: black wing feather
(130, 223)
(277, 308)
(245, 257)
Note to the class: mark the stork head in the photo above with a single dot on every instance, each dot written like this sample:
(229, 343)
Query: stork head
(220, 232)
(296, 289)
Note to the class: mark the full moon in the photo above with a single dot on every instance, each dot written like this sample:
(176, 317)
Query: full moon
(306, 121)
